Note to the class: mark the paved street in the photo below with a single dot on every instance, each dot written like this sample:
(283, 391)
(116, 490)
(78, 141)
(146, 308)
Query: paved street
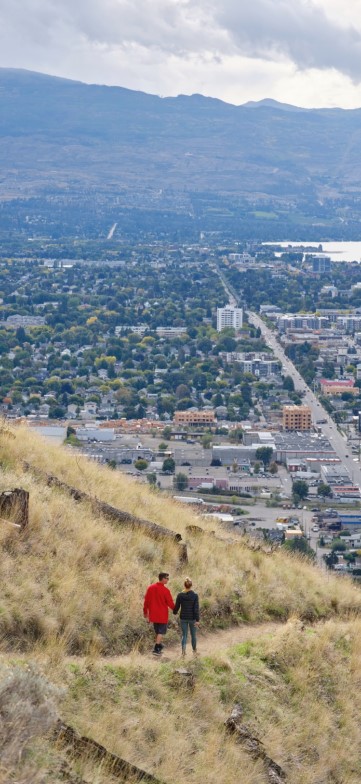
(329, 429)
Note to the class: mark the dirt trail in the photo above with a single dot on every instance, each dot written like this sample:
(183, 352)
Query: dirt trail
(220, 640)
(208, 643)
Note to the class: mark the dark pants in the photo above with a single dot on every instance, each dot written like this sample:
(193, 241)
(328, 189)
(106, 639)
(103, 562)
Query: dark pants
(191, 625)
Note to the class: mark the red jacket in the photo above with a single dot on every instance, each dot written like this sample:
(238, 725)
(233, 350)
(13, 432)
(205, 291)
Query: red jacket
(157, 600)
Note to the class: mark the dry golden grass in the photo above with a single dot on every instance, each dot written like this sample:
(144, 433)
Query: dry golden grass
(299, 689)
(75, 583)
(137, 712)
(306, 689)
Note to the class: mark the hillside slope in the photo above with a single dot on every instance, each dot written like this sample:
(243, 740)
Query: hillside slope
(71, 611)
(74, 579)
(57, 133)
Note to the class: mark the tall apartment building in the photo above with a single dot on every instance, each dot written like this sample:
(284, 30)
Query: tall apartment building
(296, 418)
(321, 264)
(191, 417)
(230, 316)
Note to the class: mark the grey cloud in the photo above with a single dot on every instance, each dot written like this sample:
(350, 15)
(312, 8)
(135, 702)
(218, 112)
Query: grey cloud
(300, 31)
(268, 29)
(170, 25)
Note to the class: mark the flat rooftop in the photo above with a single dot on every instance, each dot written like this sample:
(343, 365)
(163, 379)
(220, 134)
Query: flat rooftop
(296, 440)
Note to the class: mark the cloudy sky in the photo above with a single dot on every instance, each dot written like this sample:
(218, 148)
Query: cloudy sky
(305, 52)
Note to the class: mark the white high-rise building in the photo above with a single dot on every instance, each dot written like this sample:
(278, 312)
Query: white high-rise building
(230, 316)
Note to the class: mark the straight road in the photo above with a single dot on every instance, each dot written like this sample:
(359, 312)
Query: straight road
(329, 428)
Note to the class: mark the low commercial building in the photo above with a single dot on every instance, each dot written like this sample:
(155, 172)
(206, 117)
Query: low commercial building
(295, 466)
(335, 475)
(258, 437)
(241, 454)
(296, 418)
(259, 364)
(350, 519)
(16, 321)
(302, 445)
(346, 493)
(335, 386)
(301, 321)
(293, 533)
(329, 291)
(95, 434)
(349, 324)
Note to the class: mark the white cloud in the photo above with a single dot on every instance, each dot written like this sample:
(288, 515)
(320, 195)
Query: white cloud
(300, 51)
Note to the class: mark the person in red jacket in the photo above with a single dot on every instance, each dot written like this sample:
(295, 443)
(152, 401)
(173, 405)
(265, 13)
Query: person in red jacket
(157, 601)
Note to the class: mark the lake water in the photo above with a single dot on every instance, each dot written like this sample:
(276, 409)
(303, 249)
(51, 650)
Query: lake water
(338, 251)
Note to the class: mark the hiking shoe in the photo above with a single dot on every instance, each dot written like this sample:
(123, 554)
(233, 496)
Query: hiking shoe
(195, 654)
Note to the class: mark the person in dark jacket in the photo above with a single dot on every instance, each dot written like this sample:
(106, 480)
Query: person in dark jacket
(187, 602)
(158, 599)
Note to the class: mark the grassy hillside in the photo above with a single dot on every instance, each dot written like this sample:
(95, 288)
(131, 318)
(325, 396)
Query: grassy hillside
(298, 689)
(72, 586)
(73, 579)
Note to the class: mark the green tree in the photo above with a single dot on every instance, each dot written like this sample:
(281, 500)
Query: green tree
(167, 432)
(324, 489)
(349, 557)
(56, 412)
(273, 468)
(141, 464)
(185, 403)
(330, 560)
(152, 478)
(206, 440)
(328, 370)
(339, 545)
(300, 489)
(20, 335)
(264, 454)
(169, 465)
(181, 481)
(288, 384)
(299, 544)
(236, 435)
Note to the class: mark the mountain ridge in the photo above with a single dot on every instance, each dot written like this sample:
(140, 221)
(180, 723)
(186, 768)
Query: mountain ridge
(67, 138)
(250, 104)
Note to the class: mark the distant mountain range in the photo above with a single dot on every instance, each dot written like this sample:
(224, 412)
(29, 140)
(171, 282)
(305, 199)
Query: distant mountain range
(62, 136)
